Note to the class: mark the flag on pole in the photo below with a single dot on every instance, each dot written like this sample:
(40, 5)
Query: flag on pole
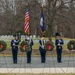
(26, 24)
(42, 24)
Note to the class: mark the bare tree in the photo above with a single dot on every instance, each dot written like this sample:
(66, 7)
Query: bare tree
(59, 16)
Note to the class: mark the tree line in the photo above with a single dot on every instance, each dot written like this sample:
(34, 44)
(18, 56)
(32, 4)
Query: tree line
(59, 17)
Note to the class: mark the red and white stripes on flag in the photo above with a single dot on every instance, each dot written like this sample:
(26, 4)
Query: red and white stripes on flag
(26, 24)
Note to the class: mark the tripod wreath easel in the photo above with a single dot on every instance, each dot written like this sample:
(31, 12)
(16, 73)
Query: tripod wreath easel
(71, 48)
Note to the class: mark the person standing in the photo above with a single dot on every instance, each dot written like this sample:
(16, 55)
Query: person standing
(30, 41)
(59, 42)
(42, 49)
(14, 45)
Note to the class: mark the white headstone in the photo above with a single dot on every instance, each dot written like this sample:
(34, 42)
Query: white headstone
(34, 36)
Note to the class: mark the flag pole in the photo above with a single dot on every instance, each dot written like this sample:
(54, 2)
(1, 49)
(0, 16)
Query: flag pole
(42, 7)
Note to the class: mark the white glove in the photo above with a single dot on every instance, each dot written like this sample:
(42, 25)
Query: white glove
(13, 44)
(60, 41)
(42, 46)
(59, 44)
(14, 40)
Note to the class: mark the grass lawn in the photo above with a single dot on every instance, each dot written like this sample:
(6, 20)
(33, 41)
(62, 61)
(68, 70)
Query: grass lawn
(54, 38)
(8, 45)
(35, 46)
(35, 49)
(38, 74)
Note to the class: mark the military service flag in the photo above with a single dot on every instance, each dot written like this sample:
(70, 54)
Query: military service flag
(42, 24)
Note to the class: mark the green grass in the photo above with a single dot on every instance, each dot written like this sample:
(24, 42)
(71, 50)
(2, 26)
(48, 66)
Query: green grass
(65, 46)
(8, 45)
(38, 74)
(35, 46)
(62, 38)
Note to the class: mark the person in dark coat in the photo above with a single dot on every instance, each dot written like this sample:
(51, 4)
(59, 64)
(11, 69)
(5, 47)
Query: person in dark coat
(30, 41)
(14, 45)
(42, 50)
(59, 42)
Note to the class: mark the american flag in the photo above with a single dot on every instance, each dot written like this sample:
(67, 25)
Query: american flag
(26, 24)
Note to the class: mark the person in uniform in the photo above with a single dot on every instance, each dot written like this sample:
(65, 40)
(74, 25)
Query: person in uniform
(42, 49)
(30, 41)
(59, 42)
(14, 45)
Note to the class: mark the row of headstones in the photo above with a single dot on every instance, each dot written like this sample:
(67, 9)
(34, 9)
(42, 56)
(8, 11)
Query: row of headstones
(11, 36)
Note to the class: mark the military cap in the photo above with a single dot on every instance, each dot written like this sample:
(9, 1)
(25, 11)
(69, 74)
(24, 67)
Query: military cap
(57, 34)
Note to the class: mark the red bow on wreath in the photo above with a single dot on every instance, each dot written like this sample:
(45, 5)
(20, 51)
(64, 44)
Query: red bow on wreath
(24, 47)
(49, 47)
(1, 46)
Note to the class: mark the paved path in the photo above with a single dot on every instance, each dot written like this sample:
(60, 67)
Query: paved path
(51, 65)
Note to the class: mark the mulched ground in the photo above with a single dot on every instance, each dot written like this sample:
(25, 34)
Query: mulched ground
(36, 52)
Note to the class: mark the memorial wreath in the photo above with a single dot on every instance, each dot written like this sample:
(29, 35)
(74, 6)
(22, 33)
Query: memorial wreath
(3, 45)
(49, 46)
(71, 45)
(24, 46)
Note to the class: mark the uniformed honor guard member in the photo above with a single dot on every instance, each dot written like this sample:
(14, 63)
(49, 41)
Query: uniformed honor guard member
(42, 49)
(59, 42)
(30, 41)
(14, 45)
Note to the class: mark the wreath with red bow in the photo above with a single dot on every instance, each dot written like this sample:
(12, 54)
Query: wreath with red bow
(24, 46)
(49, 46)
(71, 45)
(3, 45)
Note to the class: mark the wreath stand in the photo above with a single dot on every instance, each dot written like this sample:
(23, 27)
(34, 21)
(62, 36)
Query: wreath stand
(49, 46)
(25, 47)
(71, 54)
(3, 46)
(71, 48)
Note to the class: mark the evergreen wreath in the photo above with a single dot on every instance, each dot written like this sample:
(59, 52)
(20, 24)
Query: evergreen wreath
(71, 45)
(24, 46)
(49, 46)
(3, 45)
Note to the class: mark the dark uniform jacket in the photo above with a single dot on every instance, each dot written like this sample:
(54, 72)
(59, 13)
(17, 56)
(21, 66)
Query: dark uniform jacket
(14, 44)
(42, 48)
(59, 43)
(31, 44)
